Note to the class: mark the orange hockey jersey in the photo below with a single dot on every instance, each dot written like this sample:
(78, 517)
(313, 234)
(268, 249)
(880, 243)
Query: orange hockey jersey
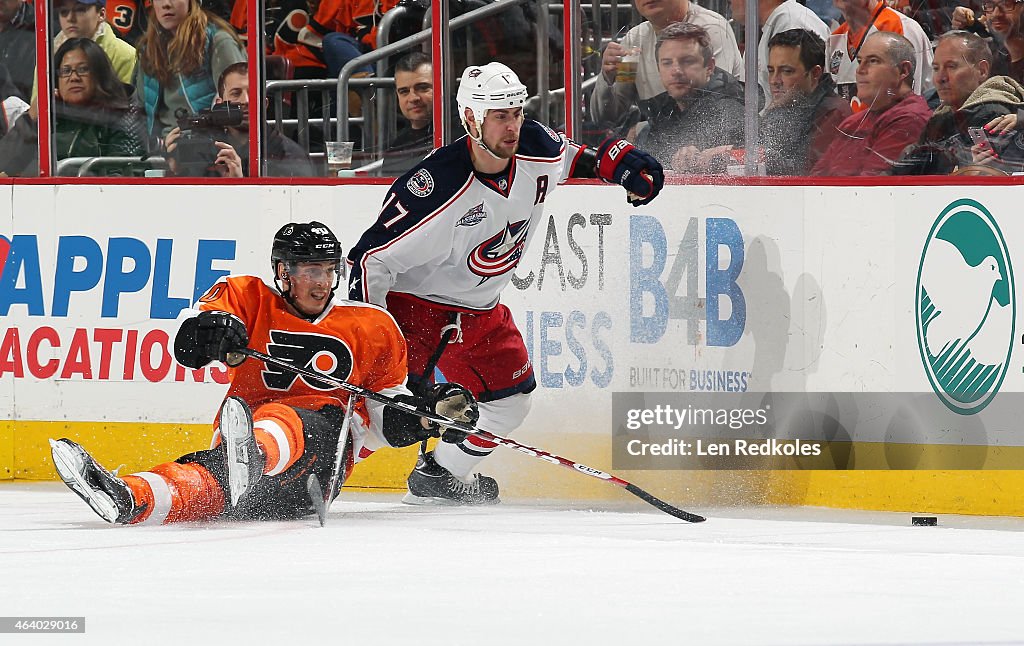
(355, 342)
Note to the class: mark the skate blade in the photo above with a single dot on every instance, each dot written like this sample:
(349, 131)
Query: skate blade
(235, 428)
(66, 460)
(425, 501)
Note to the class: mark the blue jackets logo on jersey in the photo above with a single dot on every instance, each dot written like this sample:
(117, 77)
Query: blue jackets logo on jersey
(473, 217)
(421, 184)
(321, 353)
(501, 252)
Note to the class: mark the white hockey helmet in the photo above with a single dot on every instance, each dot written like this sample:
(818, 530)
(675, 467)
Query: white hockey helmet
(488, 87)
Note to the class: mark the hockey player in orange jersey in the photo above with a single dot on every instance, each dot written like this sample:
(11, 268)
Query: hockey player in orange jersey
(275, 428)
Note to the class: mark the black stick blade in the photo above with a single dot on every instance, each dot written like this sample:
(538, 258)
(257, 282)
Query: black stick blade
(664, 506)
(316, 496)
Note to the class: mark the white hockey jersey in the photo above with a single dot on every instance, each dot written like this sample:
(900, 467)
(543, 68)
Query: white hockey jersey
(452, 236)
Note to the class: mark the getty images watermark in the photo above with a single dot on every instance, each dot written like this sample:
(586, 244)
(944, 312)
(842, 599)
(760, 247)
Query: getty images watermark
(707, 431)
(735, 419)
(813, 430)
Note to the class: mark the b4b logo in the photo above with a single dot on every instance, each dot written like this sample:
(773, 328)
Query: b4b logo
(966, 307)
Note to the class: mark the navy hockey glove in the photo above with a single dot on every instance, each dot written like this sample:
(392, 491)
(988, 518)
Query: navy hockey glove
(219, 335)
(619, 162)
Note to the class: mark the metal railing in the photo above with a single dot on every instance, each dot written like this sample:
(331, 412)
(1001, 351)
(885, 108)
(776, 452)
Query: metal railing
(86, 166)
(379, 115)
(371, 118)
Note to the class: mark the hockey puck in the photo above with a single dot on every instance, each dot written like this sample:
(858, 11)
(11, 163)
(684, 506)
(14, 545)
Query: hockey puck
(926, 521)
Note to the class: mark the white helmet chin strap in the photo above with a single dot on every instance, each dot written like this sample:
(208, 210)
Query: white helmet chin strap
(479, 139)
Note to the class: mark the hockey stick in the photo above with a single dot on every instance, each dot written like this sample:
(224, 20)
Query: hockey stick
(322, 498)
(469, 430)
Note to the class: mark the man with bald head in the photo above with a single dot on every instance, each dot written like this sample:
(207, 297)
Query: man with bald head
(863, 18)
(869, 142)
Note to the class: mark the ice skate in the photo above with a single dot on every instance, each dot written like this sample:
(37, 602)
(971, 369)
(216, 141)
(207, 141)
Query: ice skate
(107, 494)
(243, 457)
(432, 484)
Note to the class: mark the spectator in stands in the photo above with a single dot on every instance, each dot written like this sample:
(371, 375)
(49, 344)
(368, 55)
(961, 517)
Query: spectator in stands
(1003, 151)
(869, 142)
(184, 52)
(11, 105)
(700, 114)
(863, 18)
(87, 19)
(612, 101)
(230, 151)
(129, 18)
(826, 10)
(345, 29)
(414, 85)
(970, 99)
(94, 117)
(773, 17)
(1006, 24)
(802, 119)
(17, 45)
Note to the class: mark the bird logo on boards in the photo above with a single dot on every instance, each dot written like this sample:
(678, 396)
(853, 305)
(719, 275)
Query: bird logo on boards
(966, 307)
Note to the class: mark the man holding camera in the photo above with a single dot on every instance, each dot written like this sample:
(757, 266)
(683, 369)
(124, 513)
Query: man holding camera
(215, 143)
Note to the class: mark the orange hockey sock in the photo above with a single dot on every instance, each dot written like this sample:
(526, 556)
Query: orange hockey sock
(176, 493)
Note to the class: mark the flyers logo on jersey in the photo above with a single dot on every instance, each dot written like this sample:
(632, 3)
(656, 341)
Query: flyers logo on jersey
(327, 355)
(499, 253)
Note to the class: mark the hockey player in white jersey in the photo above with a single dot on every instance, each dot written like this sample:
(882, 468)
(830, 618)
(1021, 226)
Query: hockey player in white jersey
(449, 235)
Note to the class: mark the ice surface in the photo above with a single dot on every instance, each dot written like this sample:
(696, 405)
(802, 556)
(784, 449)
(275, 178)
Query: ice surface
(385, 573)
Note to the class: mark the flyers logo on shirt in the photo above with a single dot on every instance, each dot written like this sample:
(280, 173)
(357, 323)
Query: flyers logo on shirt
(501, 252)
(835, 62)
(327, 355)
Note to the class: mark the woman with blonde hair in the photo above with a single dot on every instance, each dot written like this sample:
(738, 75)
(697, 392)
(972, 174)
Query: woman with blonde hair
(181, 56)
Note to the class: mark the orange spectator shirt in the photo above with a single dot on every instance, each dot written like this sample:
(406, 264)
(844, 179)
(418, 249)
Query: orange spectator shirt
(358, 18)
(356, 342)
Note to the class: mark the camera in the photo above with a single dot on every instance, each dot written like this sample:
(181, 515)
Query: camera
(196, 149)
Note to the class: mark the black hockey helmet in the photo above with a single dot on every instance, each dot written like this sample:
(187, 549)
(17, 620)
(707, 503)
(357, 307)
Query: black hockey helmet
(304, 242)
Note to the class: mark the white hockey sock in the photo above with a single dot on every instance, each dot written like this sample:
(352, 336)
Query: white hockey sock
(500, 417)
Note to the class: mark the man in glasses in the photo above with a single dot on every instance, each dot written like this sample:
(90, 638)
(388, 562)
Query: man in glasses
(1003, 18)
(87, 19)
